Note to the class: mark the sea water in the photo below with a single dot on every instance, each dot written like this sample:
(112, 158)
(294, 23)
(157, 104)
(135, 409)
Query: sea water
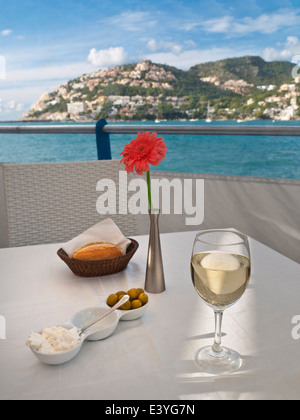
(276, 157)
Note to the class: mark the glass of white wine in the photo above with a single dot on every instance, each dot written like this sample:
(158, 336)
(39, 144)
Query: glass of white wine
(220, 268)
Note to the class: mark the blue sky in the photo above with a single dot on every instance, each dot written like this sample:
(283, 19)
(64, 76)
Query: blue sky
(43, 44)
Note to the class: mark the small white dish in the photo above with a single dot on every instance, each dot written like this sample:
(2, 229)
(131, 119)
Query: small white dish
(132, 314)
(102, 329)
(97, 332)
(59, 358)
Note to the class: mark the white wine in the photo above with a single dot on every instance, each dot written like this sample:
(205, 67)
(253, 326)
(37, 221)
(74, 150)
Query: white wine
(220, 278)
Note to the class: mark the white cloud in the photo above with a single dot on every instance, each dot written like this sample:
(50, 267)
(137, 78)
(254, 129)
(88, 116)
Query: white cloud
(152, 45)
(190, 43)
(167, 46)
(11, 106)
(26, 94)
(186, 59)
(19, 107)
(6, 32)
(219, 25)
(265, 23)
(23, 87)
(189, 26)
(63, 72)
(2, 67)
(114, 56)
(288, 50)
(132, 21)
(268, 24)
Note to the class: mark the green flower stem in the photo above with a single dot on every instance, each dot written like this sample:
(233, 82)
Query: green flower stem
(149, 190)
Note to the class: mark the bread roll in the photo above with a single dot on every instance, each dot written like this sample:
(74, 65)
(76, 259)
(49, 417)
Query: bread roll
(97, 251)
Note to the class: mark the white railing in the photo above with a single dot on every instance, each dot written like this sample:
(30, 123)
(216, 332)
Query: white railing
(102, 130)
(238, 130)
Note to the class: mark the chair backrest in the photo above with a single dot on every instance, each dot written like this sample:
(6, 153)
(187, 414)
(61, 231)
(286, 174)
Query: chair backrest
(266, 209)
(54, 202)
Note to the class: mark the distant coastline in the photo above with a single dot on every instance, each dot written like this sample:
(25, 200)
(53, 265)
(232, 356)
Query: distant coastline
(89, 121)
(18, 122)
(135, 121)
(246, 88)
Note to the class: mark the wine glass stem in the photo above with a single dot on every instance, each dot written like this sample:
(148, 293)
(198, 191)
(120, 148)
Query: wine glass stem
(217, 350)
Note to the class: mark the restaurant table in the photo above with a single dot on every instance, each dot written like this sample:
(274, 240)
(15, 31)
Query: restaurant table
(151, 358)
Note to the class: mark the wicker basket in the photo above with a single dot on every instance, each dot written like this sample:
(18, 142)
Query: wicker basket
(102, 267)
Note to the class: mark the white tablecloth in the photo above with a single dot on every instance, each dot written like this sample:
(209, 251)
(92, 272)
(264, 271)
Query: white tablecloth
(150, 358)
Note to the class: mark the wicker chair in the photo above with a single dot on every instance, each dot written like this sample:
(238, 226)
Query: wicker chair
(53, 202)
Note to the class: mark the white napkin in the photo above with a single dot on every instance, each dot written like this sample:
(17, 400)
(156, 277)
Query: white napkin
(105, 231)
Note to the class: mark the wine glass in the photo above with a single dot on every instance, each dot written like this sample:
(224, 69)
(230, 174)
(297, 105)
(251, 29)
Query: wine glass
(220, 268)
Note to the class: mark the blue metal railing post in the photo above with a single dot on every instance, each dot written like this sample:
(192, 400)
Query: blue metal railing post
(103, 141)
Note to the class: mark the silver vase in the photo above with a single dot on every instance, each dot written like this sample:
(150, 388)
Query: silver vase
(155, 279)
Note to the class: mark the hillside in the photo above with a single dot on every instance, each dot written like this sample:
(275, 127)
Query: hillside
(254, 70)
(246, 87)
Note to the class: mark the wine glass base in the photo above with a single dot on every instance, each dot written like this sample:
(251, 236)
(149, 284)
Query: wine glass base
(226, 362)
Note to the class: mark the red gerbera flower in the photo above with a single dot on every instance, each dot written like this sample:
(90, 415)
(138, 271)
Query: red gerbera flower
(147, 149)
